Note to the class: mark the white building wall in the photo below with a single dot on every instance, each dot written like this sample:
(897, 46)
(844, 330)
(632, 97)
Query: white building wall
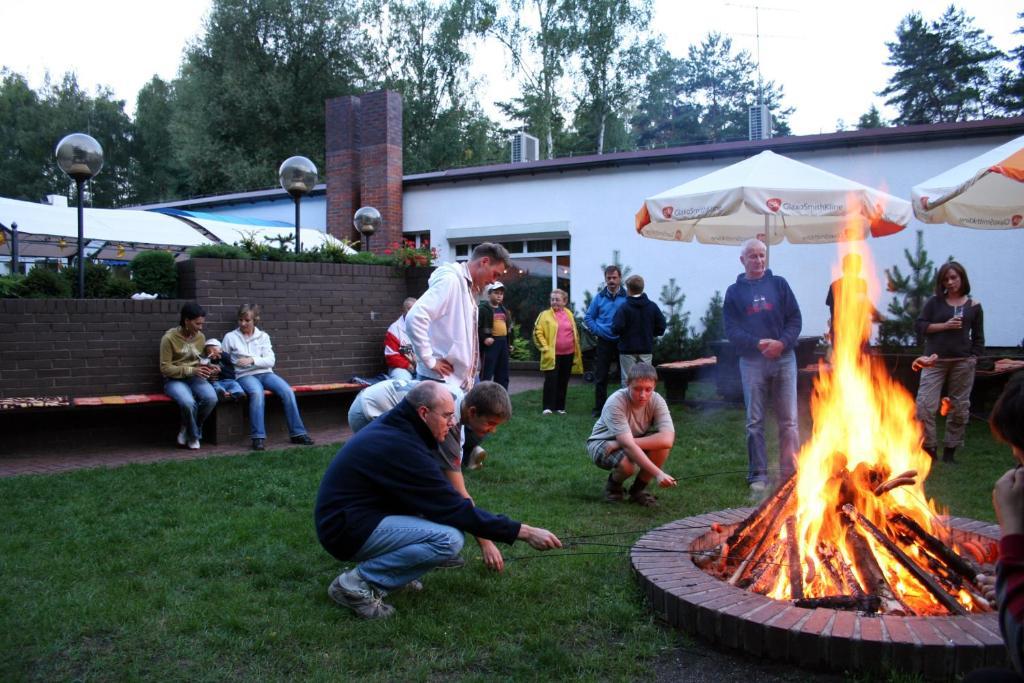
(598, 207)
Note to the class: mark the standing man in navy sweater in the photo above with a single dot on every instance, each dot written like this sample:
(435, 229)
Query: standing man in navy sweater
(598, 320)
(762, 320)
(384, 502)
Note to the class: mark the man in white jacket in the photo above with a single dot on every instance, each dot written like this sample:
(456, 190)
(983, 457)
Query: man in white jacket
(442, 324)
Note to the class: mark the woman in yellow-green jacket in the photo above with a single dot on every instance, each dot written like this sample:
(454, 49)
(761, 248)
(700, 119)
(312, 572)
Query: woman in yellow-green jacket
(556, 336)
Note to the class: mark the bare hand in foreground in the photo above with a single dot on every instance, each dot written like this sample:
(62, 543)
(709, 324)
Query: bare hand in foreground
(539, 539)
(493, 558)
(204, 371)
(444, 368)
(1008, 501)
(244, 361)
(666, 480)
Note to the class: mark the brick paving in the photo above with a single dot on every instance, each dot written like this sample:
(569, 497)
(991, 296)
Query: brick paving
(82, 457)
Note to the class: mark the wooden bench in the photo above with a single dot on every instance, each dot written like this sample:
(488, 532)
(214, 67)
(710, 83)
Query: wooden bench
(36, 423)
(677, 376)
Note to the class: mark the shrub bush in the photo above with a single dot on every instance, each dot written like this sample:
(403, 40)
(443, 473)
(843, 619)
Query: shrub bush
(43, 283)
(119, 288)
(9, 285)
(97, 279)
(154, 272)
(226, 251)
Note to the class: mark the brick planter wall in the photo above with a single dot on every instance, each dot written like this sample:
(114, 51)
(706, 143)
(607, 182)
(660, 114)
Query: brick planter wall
(327, 322)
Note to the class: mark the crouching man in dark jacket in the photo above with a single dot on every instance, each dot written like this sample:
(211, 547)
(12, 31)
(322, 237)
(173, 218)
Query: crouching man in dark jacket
(384, 502)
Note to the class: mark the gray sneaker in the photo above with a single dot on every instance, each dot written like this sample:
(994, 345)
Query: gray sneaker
(360, 598)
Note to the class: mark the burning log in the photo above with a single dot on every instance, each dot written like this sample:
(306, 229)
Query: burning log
(764, 514)
(746, 546)
(868, 604)
(762, 577)
(796, 583)
(838, 570)
(874, 579)
(929, 582)
(933, 544)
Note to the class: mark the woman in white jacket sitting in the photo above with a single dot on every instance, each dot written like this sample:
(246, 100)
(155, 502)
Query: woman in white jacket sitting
(252, 355)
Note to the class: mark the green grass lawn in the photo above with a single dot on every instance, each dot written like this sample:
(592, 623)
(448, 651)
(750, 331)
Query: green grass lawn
(210, 569)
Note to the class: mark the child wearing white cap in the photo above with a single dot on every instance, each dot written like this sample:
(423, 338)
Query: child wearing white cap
(495, 329)
(224, 382)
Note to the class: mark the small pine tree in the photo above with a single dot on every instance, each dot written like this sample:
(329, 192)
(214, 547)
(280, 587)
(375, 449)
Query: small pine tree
(911, 291)
(680, 341)
(713, 321)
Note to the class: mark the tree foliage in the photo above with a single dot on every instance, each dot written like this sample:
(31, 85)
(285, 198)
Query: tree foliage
(705, 96)
(910, 292)
(944, 69)
(1009, 95)
(422, 51)
(251, 91)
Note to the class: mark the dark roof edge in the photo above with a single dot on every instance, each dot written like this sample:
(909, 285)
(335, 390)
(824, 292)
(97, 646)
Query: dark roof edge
(232, 198)
(855, 138)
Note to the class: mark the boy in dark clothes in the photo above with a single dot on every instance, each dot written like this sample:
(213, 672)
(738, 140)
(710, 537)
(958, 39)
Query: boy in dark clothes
(495, 324)
(637, 322)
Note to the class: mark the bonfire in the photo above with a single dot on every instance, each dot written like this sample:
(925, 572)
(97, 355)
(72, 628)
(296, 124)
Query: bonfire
(853, 527)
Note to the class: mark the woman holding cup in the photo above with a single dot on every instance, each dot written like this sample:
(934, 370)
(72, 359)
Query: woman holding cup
(952, 324)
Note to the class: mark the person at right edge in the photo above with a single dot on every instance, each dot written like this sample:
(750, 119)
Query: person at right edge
(952, 325)
(763, 322)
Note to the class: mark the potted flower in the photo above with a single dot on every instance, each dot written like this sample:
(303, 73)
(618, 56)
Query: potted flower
(406, 254)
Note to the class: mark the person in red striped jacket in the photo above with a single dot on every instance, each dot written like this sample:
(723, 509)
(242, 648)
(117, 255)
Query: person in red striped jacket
(398, 348)
(1007, 423)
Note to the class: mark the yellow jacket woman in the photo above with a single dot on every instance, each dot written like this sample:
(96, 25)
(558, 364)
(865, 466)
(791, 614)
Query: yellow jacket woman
(558, 339)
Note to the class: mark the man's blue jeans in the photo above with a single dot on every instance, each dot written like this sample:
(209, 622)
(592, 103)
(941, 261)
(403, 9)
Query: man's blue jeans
(403, 548)
(254, 386)
(196, 399)
(767, 380)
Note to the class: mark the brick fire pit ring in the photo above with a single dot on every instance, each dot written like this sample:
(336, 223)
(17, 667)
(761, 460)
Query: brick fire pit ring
(826, 639)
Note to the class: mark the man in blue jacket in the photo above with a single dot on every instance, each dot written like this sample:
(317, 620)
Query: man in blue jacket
(598, 320)
(762, 320)
(384, 502)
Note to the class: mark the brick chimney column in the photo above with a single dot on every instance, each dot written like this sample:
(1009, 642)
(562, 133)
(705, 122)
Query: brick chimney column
(364, 164)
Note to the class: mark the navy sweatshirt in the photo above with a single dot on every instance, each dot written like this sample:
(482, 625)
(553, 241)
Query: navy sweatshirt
(761, 309)
(388, 469)
(637, 323)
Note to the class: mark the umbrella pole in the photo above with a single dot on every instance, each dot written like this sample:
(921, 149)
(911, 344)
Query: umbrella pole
(767, 242)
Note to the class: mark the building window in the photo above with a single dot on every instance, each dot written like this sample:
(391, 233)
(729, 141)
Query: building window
(538, 266)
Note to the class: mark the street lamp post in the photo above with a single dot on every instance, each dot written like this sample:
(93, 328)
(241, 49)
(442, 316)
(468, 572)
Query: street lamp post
(298, 177)
(81, 158)
(14, 249)
(366, 220)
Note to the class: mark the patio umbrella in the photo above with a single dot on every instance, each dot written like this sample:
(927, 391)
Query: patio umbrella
(986, 192)
(771, 197)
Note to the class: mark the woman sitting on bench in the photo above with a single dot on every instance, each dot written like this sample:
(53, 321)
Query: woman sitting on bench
(185, 378)
(249, 350)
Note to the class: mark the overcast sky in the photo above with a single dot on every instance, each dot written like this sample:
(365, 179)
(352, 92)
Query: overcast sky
(829, 56)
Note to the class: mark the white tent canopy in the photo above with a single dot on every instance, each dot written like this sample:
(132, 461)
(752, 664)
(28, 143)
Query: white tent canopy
(771, 197)
(108, 225)
(986, 192)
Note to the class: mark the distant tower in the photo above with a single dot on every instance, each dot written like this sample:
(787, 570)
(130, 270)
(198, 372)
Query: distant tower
(525, 147)
(760, 122)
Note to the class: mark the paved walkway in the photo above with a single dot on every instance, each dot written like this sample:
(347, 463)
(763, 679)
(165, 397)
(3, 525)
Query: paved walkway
(82, 458)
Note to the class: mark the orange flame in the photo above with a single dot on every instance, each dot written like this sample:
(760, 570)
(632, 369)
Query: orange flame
(865, 431)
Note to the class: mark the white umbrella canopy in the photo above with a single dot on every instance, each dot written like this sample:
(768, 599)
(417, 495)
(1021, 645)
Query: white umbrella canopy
(771, 197)
(986, 192)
